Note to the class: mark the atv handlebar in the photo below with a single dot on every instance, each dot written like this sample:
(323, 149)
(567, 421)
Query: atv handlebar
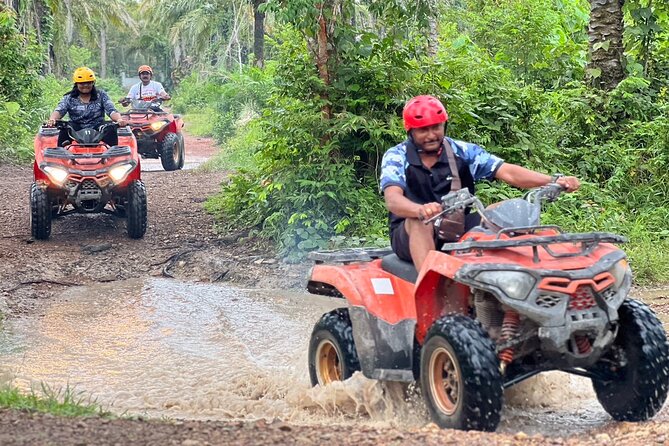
(462, 199)
(158, 100)
(64, 124)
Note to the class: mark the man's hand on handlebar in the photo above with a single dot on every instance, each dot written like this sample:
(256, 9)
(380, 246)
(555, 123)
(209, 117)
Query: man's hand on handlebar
(570, 184)
(428, 210)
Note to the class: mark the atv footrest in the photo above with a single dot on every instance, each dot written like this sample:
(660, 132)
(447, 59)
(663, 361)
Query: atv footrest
(349, 255)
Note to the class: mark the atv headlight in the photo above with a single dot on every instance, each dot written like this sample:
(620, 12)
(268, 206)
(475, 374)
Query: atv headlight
(56, 174)
(158, 125)
(515, 284)
(120, 172)
(619, 271)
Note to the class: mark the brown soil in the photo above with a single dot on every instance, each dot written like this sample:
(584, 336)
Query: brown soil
(181, 242)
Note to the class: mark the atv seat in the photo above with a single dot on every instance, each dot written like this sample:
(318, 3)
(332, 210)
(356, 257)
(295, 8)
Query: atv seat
(398, 267)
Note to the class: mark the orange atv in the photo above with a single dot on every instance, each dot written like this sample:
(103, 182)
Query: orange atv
(86, 176)
(158, 132)
(511, 299)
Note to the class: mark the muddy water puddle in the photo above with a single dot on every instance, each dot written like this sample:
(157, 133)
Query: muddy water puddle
(165, 348)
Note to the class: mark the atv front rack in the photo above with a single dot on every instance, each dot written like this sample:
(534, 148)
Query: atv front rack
(349, 255)
(589, 241)
(61, 153)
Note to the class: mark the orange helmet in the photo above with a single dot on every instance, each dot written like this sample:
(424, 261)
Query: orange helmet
(422, 111)
(83, 74)
(144, 68)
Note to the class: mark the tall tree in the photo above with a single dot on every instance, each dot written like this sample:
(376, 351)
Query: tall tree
(605, 69)
(259, 33)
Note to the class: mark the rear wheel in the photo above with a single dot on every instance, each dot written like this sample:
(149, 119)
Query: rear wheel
(170, 153)
(40, 213)
(460, 375)
(136, 209)
(637, 390)
(332, 353)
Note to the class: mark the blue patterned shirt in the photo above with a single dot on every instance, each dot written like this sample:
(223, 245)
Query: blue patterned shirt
(403, 167)
(89, 115)
(482, 164)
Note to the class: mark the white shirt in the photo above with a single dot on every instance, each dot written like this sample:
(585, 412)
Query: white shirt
(141, 91)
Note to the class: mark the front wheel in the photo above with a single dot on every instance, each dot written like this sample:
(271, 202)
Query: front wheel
(40, 213)
(170, 152)
(136, 209)
(460, 375)
(332, 353)
(637, 390)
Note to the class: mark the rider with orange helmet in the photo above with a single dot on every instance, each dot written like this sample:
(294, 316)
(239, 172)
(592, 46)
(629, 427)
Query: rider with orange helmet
(86, 106)
(416, 173)
(147, 89)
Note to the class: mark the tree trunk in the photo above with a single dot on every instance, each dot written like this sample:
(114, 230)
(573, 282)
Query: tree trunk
(322, 58)
(103, 51)
(259, 33)
(433, 36)
(605, 69)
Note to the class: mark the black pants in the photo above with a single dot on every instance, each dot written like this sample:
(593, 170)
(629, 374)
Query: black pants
(110, 136)
(399, 238)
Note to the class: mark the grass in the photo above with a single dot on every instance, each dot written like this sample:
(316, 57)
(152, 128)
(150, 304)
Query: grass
(238, 152)
(200, 124)
(62, 402)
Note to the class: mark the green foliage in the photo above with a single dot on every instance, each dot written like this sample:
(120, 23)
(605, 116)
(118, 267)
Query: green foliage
(200, 122)
(646, 30)
(112, 87)
(538, 41)
(79, 57)
(20, 92)
(239, 152)
(60, 402)
(233, 97)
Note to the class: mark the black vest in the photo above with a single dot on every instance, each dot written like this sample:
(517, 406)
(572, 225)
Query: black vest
(429, 185)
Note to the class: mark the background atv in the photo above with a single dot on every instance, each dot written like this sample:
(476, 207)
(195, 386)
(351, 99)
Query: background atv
(86, 176)
(158, 132)
(511, 299)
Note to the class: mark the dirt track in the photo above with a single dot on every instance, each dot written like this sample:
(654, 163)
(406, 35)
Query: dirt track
(181, 242)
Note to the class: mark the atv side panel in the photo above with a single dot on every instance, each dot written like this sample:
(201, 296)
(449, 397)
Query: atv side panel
(382, 314)
(385, 350)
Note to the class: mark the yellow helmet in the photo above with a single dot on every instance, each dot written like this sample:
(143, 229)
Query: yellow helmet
(83, 74)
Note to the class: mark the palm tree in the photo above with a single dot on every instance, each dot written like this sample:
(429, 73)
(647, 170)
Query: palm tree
(258, 33)
(606, 49)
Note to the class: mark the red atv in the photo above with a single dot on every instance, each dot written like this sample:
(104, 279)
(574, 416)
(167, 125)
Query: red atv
(86, 176)
(158, 132)
(512, 298)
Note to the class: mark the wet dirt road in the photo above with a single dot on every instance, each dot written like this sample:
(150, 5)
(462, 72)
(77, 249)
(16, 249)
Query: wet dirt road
(165, 348)
(91, 308)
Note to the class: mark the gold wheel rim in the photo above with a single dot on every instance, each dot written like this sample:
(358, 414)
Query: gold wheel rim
(175, 152)
(445, 381)
(328, 364)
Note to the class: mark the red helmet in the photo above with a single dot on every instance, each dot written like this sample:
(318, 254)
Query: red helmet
(422, 111)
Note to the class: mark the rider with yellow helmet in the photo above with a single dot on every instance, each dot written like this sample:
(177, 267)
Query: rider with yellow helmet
(86, 106)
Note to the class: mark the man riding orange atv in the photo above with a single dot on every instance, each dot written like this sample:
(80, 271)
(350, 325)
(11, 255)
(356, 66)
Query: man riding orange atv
(158, 132)
(490, 299)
